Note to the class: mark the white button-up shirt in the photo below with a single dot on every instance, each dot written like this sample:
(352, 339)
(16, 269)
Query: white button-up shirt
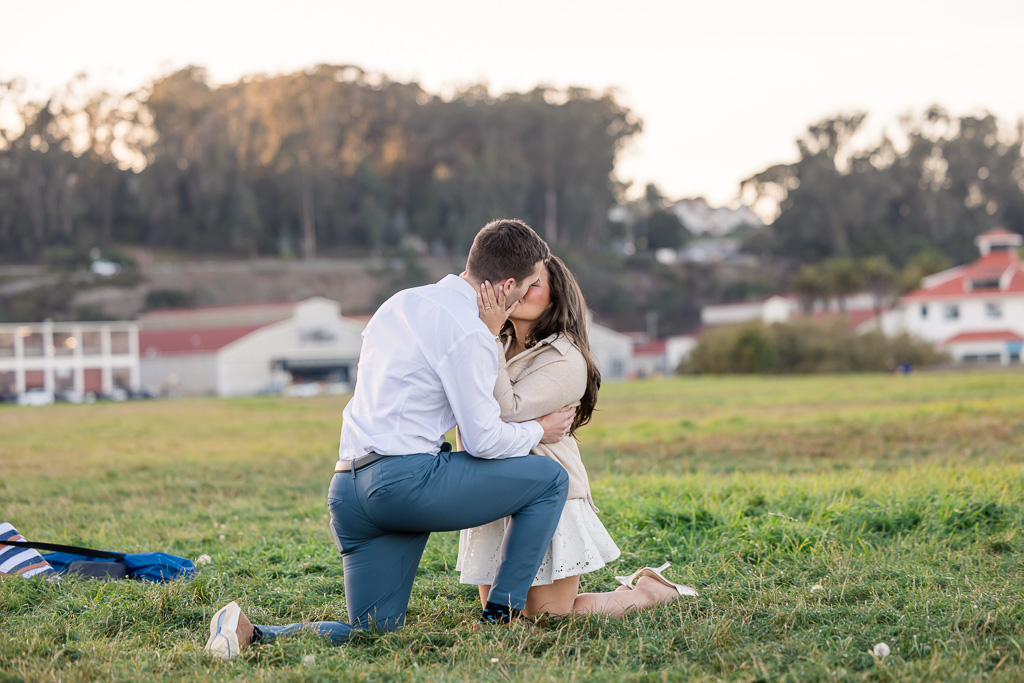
(428, 363)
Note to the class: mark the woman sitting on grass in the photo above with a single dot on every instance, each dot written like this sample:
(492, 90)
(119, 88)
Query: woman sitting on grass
(548, 365)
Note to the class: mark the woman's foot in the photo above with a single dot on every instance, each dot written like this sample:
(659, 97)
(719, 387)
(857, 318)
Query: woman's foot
(656, 591)
(656, 574)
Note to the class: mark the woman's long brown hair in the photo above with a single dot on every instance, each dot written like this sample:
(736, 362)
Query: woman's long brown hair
(567, 315)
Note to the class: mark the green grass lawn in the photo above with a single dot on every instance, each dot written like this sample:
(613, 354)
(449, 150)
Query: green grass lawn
(817, 516)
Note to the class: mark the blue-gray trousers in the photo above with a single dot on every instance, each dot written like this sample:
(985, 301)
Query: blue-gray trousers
(382, 515)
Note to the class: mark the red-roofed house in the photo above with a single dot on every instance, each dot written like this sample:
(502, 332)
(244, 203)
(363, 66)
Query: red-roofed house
(974, 311)
(650, 358)
(240, 350)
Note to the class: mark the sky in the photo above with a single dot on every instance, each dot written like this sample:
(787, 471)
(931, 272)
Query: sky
(723, 88)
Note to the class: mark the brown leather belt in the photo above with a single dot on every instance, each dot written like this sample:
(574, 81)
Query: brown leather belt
(358, 463)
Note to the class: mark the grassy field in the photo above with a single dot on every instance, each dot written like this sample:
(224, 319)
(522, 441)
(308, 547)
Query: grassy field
(817, 516)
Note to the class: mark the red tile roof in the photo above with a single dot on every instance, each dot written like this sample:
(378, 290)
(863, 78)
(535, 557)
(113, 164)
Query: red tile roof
(1004, 266)
(993, 335)
(997, 232)
(195, 340)
(175, 312)
(652, 348)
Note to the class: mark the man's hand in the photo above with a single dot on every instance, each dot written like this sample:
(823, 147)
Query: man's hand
(556, 425)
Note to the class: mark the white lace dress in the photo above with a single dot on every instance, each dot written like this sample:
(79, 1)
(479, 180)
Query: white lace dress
(580, 545)
(541, 379)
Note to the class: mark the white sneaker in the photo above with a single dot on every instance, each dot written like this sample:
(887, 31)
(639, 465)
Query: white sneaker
(230, 632)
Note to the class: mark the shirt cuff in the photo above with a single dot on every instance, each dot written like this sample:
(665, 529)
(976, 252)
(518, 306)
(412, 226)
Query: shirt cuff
(536, 431)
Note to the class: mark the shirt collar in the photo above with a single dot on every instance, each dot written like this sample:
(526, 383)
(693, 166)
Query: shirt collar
(560, 342)
(459, 285)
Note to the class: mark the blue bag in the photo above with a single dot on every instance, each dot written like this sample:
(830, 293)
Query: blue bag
(146, 566)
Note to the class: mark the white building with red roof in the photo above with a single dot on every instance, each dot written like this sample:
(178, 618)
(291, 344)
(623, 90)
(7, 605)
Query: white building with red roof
(243, 350)
(974, 311)
(59, 357)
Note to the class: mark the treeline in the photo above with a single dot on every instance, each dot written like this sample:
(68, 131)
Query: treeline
(330, 161)
(933, 186)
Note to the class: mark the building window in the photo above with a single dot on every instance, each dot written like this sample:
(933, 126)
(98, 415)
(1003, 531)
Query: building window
(91, 343)
(924, 311)
(993, 310)
(7, 383)
(119, 342)
(952, 312)
(64, 344)
(34, 346)
(6, 345)
(982, 358)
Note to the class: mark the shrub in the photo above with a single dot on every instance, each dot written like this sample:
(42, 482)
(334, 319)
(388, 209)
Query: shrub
(169, 298)
(805, 346)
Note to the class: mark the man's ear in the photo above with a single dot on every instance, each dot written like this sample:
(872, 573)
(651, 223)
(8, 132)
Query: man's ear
(508, 285)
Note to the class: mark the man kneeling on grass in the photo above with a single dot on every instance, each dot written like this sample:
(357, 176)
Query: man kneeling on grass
(428, 363)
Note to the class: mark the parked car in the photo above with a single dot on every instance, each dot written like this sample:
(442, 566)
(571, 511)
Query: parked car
(142, 394)
(105, 268)
(36, 397)
(304, 390)
(337, 388)
(115, 394)
(73, 396)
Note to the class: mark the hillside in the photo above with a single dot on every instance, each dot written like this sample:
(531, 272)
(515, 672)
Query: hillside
(626, 293)
(358, 284)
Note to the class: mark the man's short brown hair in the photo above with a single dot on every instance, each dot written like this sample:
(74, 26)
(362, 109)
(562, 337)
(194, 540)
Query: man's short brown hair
(506, 248)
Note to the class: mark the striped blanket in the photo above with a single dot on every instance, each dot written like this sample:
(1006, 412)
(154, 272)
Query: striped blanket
(24, 562)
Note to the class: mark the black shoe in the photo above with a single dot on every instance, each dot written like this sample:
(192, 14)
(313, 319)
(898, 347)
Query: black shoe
(499, 614)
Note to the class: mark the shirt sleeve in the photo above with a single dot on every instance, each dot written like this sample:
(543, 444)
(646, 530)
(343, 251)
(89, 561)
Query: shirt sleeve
(468, 373)
(554, 381)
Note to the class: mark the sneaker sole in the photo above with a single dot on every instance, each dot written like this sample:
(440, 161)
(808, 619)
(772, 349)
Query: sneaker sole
(223, 642)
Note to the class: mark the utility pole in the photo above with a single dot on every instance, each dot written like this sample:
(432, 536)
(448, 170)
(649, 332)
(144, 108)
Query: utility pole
(652, 325)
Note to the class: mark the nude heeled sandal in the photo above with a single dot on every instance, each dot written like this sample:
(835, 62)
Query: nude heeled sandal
(628, 581)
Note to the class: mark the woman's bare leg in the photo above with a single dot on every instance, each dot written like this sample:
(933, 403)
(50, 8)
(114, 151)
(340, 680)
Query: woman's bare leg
(561, 598)
(555, 598)
(484, 592)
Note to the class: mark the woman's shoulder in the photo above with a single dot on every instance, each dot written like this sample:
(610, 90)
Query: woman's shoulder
(557, 348)
(556, 356)
(564, 345)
